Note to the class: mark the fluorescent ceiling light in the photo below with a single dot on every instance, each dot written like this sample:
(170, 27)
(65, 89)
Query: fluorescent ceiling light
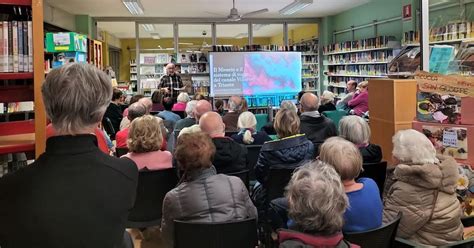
(134, 7)
(155, 36)
(295, 6)
(148, 27)
(241, 35)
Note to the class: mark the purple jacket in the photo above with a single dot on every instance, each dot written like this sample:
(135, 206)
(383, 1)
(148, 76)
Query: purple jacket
(360, 103)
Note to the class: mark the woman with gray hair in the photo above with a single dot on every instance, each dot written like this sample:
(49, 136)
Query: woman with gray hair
(424, 191)
(356, 130)
(73, 191)
(317, 203)
(248, 133)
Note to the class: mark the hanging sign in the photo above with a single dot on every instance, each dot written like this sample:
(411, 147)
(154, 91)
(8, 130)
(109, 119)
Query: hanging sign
(445, 84)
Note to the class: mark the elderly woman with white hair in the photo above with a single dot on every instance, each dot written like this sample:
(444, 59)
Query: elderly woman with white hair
(327, 102)
(73, 191)
(317, 203)
(248, 133)
(424, 191)
(356, 130)
(183, 99)
(190, 118)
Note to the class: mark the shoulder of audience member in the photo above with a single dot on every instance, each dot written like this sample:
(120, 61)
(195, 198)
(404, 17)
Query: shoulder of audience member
(125, 166)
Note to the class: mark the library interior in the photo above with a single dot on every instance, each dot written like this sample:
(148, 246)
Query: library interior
(236, 123)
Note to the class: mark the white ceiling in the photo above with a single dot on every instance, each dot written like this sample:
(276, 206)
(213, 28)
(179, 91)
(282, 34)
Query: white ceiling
(197, 8)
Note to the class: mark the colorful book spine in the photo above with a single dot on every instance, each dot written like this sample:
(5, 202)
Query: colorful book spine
(10, 47)
(20, 46)
(15, 45)
(2, 64)
(30, 46)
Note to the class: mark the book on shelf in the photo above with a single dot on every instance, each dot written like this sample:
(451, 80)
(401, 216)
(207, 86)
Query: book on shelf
(361, 57)
(370, 43)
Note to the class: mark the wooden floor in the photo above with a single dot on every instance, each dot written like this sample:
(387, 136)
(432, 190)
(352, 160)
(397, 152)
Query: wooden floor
(150, 238)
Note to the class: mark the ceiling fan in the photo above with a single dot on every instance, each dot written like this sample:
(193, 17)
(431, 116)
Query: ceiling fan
(234, 15)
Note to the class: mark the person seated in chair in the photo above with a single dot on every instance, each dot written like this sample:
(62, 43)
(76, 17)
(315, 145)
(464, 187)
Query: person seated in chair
(144, 141)
(230, 156)
(230, 119)
(359, 103)
(365, 211)
(134, 111)
(316, 127)
(114, 112)
(327, 102)
(190, 118)
(356, 130)
(248, 134)
(317, 203)
(203, 195)
(351, 88)
(167, 114)
(183, 99)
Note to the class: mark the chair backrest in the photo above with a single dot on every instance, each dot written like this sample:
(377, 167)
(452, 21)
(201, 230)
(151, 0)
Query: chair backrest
(467, 221)
(120, 151)
(229, 133)
(151, 190)
(277, 181)
(181, 114)
(262, 120)
(243, 175)
(335, 116)
(234, 234)
(376, 171)
(378, 238)
(252, 156)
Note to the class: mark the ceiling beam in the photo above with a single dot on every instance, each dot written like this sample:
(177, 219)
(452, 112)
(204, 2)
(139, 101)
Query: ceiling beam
(163, 20)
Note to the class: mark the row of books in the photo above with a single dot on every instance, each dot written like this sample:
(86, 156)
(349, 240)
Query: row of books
(369, 56)
(16, 46)
(343, 80)
(452, 31)
(251, 48)
(370, 43)
(369, 70)
(309, 59)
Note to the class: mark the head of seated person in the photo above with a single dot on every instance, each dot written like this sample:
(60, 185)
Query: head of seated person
(75, 98)
(147, 102)
(190, 107)
(183, 97)
(247, 123)
(288, 105)
(136, 110)
(168, 103)
(344, 156)
(211, 123)
(235, 104)
(145, 135)
(117, 96)
(202, 107)
(194, 152)
(309, 102)
(286, 123)
(327, 97)
(316, 201)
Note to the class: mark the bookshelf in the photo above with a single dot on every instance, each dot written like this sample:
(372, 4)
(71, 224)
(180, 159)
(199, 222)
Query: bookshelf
(310, 79)
(24, 134)
(357, 60)
(454, 32)
(94, 54)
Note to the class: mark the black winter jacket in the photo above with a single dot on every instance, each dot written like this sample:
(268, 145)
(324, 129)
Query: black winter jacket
(230, 156)
(317, 129)
(290, 152)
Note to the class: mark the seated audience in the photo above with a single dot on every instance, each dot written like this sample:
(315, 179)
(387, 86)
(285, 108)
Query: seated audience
(202, 107)
(114, 112)
(182, 99)
(199, 97)
(157, 100)
(291, 150)
(248, 134)
(166, 114)
(144, 140)
(316, 127)
(203, 195)
(219, 105)
(365, 207)
(359, 103)
(73, 195)
(286, 104)
(424, 191)
(230, 156)
(350, 90)
(134, 111)
(316, 205)
(245, 106)
(189, 120)
(125, 121)
(230, 119)
(327, 102)
(356, 130)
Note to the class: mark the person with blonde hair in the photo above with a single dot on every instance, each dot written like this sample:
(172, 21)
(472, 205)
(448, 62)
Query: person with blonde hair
(365, 211)
(183, 99)
(203, 195)
(327, 102)
(72, 195)
(356, 130)
(144, 142)
(248, 133)
(424, 191)
(359, 103)
(317, 203)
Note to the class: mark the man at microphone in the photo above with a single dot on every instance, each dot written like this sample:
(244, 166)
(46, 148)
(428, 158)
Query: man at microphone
(171, 83)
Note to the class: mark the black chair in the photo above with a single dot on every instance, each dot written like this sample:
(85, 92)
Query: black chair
(109, 128)
(243, 175)
(467, 221)
(151, 190)
(403, 243)
(120, 151)
(232, 234)
(377, 238)
(181, 114)
(229, 134)
(277, 181)
(252, 157)
(376, 171)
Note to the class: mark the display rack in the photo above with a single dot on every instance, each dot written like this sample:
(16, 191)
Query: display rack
(358, 60)
(94, 55)
(23, 134)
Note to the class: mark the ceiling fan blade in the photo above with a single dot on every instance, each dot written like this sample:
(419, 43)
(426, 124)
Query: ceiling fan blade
(214, 14)
(255, 12)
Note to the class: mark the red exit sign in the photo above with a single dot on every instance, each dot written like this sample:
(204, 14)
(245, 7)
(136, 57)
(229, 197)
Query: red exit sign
(406, 12)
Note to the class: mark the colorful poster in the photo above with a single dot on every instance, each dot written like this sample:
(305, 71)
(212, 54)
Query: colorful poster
(433, 107)
(445, 84)
(450, 141)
